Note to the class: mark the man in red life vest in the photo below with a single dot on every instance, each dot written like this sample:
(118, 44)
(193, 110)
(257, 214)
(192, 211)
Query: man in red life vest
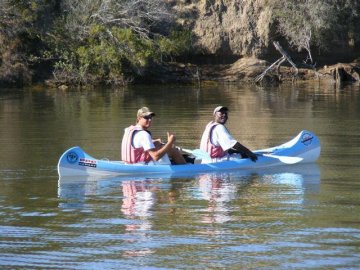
(218, 142)
(139, 147)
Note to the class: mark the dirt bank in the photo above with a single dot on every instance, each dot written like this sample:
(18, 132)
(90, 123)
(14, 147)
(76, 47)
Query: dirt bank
(247, 69)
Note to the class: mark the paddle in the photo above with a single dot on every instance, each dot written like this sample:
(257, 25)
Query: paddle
(283, 159)
(198, 153)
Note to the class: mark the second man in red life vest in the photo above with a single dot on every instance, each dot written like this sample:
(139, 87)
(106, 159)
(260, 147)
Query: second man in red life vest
(218, 142)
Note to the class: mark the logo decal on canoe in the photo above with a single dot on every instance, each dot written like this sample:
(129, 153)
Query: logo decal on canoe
(87, 162)
(306, 139)
(72, 157)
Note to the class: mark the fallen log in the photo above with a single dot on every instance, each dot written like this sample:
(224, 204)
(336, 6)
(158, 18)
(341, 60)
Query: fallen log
(281, 50)
(277, 63)
(262, 75)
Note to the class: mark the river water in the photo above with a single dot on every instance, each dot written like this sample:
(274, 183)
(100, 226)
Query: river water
(293, 218)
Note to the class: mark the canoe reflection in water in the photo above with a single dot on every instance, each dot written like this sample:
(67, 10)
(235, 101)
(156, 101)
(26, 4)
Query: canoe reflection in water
(246, 194)
(219, 189)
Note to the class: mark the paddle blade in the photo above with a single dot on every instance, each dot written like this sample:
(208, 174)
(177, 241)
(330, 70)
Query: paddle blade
(285, 159)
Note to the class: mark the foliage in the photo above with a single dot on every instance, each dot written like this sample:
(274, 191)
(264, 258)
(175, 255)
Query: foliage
(346, 30)
(303, 23)
(22, 28)
(86, 41)
(310, 24)
(113, 43)
(178, 43)
(113, 55)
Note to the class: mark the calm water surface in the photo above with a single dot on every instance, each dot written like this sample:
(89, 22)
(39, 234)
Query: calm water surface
(294, 217)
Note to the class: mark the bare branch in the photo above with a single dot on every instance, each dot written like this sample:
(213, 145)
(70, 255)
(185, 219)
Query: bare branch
(277, 63)
(138, 15)
(300, 21)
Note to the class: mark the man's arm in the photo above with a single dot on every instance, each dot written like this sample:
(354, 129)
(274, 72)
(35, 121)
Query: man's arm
(161, 149)
(228, 143)
(245, 152)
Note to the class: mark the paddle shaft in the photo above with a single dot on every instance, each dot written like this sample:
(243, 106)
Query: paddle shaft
(198, 153)
(285, 159)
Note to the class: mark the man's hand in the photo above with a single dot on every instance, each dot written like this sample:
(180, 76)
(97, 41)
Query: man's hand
(171, 138)
(245, 153)
(252, 156)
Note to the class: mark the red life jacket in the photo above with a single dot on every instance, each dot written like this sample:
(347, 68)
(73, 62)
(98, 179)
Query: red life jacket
(129, 153)
(207, 145)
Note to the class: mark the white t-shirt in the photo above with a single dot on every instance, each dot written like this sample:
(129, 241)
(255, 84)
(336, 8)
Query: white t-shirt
(143, 139)
(221, 136)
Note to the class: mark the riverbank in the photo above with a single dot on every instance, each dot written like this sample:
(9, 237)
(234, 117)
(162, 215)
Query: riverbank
(247, 69)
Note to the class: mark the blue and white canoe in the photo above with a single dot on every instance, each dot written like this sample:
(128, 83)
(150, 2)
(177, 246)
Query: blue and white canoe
(304, 148)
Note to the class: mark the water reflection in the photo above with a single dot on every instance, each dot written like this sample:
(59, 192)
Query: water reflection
(230, 205)
(139, 196)
(220, 188)
(138, 199)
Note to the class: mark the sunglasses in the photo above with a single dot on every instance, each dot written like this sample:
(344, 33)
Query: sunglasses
(222, 112)
(148, 117)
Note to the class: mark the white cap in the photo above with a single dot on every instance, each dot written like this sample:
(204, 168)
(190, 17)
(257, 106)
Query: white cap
(219, 108)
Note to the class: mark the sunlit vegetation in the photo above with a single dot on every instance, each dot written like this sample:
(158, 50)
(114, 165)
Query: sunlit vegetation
(314, 24)
(86, 41)
(116, 42)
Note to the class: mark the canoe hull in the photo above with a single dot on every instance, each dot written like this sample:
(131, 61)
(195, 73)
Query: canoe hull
(76, 162)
